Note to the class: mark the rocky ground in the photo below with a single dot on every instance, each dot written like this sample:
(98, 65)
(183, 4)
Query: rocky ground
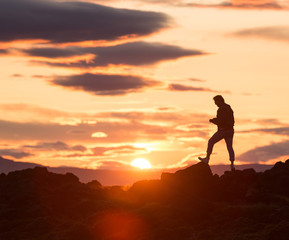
(36, 204)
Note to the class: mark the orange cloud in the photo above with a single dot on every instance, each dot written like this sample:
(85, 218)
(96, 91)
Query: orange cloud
(253, 2)
(277, 33)
(270, 4)
(245, 4)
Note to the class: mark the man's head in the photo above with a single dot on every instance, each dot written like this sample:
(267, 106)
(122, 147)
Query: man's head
(219, 100)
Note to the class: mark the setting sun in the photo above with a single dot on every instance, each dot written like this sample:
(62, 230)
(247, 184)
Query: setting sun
(141, 163)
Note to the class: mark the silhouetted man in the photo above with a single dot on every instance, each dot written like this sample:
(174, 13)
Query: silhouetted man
(225, 122)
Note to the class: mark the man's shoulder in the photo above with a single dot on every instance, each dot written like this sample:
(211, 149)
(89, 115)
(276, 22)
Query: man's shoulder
(225, 108)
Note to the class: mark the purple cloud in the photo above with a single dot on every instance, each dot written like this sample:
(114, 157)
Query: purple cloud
(181, 87)
(265, 153)
(61, 22)
(134, 54)
(279, 33)
(241, 4)
(57, 146)
(15, 153)
(3, 51)
(101, 84)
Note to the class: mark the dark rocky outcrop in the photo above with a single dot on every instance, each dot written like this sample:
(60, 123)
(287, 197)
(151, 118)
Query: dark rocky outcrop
(189, 204)
(196, 180)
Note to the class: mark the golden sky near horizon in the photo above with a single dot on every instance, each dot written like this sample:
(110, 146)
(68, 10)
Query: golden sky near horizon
(97, 84)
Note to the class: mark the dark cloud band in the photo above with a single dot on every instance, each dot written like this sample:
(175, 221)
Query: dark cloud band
(15, 153)
(57, 146)
(61, 22)
(183, 88)
(279, 33)
(101, 84)
(265, 153)
(135, 54)
(241, 4)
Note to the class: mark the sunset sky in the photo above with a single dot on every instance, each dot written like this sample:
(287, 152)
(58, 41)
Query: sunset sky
(97, 84)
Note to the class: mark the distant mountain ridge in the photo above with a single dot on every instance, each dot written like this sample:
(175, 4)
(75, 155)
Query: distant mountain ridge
(7, 165)
(115, 177)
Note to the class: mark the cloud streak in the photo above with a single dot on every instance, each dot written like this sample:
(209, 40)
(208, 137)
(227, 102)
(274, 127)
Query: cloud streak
(4, 51)
(133, 54)
(56, 146)
(279, 33)
(119, 150)
(105, 84)
(181, 87)
(235, 4)
(265, 153)
(230, 4)
(284, 131)
(245, 4)
(169, 115)
(61, 22)
(122, 127)
(15, 153)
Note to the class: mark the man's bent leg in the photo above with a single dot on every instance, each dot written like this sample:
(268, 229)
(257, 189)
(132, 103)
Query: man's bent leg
(229, 143)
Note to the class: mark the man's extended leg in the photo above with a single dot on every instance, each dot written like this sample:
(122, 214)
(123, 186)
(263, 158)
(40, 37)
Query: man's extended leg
(214, 139)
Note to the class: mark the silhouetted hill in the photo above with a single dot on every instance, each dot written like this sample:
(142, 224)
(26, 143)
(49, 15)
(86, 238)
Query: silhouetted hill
(114, 177)
(191, 203)
(7, 165)
(109, 177)
(106, 177)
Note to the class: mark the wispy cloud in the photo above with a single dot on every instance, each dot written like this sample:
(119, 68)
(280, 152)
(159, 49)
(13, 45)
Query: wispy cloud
(56, 146)
(186, 161)
(234, 4)
(26, 112)
(169, 115)
(120, 127)
(109, 164)
(265, 153)
(229, 4)
(196, 80)
(3, 51)
(15, 153)
(278, 130)
(181, 87)
(123, 149)
(123, 129)
(105, 84)
(62, 22)
(133, 53)
(244, 4)
(278, 33)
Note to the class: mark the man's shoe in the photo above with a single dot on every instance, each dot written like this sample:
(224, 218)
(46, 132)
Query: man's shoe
(204, 160)
(233, 167)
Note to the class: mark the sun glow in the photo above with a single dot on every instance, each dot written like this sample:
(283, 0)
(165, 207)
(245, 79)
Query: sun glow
(141, 163)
